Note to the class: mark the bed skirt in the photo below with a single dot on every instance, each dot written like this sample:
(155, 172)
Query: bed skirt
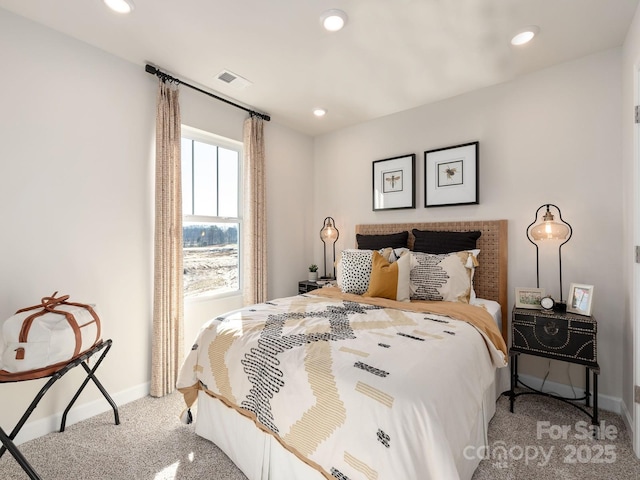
(261, 457)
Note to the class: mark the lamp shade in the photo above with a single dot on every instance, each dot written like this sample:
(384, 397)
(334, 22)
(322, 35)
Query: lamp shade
(329, 232)
(549, 229)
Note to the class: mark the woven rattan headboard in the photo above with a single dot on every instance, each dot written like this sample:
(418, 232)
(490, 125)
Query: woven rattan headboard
(490, 280)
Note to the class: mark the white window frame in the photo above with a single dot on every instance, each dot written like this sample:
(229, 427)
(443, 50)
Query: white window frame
(192, 133)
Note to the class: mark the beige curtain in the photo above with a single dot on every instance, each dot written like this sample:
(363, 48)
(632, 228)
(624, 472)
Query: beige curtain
(167, 344)
(255, 222)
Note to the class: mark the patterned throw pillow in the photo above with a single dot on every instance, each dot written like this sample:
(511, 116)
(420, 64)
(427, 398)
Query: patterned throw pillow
(390, 254)
(442, 277)
(356, 269)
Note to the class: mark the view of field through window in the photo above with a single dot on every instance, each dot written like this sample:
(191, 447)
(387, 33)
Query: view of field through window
(211, 223)
(210, 258)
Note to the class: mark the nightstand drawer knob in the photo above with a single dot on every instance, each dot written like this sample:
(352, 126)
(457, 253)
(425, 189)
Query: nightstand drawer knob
(551, 328)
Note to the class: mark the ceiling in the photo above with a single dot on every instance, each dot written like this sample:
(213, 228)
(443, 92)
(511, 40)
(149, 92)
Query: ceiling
(392, 55)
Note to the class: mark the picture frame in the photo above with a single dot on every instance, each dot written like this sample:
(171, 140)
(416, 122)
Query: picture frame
(529, 297)
(394, 183)
(451, 175)
(580, 299)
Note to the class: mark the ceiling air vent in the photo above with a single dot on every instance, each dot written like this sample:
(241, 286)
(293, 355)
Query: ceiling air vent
(234, 80)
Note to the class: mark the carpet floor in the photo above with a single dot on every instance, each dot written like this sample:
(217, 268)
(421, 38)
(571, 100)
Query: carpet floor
(542, 439)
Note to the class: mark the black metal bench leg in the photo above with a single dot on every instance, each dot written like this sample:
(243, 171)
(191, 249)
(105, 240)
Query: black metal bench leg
(13, 450)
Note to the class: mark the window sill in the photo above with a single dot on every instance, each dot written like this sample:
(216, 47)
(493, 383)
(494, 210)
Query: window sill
(212, 297)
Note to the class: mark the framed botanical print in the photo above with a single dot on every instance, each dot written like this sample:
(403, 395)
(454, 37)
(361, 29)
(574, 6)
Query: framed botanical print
(451, 175)
(394, 184)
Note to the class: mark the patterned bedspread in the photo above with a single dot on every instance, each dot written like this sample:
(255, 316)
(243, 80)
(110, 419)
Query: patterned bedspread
(357, 390)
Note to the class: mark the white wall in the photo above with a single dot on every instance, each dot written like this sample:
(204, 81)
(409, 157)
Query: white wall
(76, 201)
(550, 137)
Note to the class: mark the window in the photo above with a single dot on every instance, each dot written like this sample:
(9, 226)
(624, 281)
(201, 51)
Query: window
(211, 192)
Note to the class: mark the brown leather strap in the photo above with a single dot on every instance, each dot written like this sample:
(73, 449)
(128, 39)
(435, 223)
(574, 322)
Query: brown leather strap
(26, 325)
(46, 302)
(48, 305)
(93, 313)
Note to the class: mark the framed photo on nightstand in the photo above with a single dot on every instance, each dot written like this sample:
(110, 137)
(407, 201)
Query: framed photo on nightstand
(580, 298)
(529, 297)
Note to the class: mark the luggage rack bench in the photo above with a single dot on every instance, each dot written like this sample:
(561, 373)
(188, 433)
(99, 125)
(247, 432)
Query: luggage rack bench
(7, 440)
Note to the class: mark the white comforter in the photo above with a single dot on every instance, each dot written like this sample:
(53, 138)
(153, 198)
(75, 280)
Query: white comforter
(357, 391)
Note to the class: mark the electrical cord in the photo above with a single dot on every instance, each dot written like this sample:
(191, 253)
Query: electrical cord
(575, 395)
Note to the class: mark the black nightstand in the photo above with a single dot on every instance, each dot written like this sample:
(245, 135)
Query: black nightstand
(306, 286)
(561, 336)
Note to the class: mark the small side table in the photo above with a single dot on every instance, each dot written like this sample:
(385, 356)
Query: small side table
(561, 336)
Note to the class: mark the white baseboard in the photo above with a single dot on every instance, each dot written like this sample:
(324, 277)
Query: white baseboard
(79, 412)
(605, 402)
(628, 419)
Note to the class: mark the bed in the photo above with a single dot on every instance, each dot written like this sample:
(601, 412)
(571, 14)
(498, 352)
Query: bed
(348, 384)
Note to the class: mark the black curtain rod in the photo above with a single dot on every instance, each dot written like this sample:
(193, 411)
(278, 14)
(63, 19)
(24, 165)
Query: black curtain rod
(166, 77)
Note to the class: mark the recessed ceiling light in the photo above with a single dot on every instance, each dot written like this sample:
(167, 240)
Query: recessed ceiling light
(333, 20)
(525, 35)
(120, 6)
(319, 112)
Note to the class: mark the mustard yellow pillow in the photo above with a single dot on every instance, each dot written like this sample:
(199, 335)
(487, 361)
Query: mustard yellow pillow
(390, 280)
